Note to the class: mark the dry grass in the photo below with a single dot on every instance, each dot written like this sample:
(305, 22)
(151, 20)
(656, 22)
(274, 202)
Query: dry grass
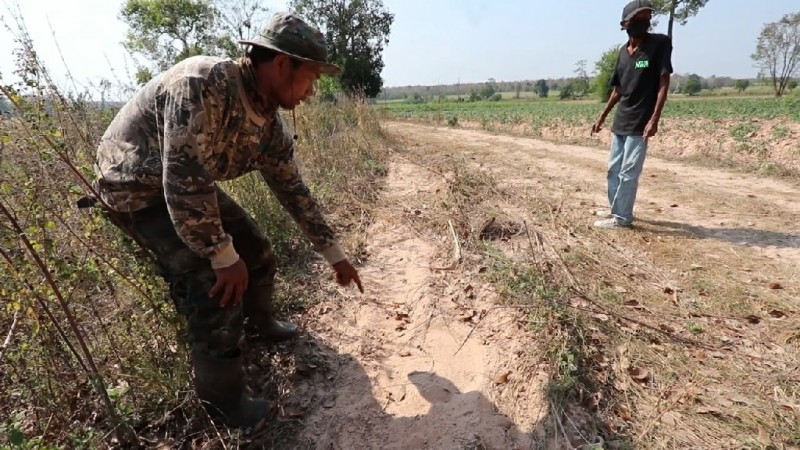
(654, 338)
(112, 301)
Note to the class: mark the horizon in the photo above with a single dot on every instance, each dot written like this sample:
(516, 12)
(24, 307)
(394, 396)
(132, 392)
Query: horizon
(459, 38)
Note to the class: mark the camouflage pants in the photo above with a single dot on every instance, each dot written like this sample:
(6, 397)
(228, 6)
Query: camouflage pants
(212, 330)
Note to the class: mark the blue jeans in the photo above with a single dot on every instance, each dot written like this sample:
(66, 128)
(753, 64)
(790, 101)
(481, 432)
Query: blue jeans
(625, 164)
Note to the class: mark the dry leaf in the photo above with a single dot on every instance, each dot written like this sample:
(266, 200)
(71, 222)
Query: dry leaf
(633, 304)
(502, 377)
(709, 410)
(601, 317)
(400, 316)
(639, 374)
(400, 327)
(329, 402)
(740, 400)
(755, 320)
(674, 205)
(775, 286)
(670, 418)
(667, 328)
(775, 314)
(696, 267)
(790, 407)
(483, 269)
(579, 302)
(669, 290)
(405, 354)
(624, 413)
(620, 290)
(699, 354)
(466, 317)
(293, 412)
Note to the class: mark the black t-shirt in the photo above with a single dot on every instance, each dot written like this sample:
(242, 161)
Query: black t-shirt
(638, 76)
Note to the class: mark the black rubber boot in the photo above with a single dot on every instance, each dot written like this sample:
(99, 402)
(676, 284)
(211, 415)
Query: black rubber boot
(219, 383)
(257, 305)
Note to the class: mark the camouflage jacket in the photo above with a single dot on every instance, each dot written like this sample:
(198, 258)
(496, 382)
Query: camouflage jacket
(193, 125)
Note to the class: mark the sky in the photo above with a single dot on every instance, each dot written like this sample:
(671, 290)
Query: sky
(432, 41)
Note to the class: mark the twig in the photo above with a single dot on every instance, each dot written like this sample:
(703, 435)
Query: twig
(560, 424)
(457, 256)
(8, 337)
(530, 243)
(456, 244)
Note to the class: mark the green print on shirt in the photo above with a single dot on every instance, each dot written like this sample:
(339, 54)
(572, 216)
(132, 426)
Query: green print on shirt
(644, 64)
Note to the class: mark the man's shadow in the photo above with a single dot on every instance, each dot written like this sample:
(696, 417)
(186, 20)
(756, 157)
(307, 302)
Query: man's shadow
(739, 236)
(328, 401)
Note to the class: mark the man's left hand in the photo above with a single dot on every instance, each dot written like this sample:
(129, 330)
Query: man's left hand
(345, 273)
(650, 129)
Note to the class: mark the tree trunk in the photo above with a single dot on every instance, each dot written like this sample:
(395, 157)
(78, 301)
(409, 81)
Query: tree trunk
(672, 6)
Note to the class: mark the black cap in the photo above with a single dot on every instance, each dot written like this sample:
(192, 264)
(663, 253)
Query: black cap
(634, 7)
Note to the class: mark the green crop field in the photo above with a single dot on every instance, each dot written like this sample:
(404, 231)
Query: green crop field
(546, 112)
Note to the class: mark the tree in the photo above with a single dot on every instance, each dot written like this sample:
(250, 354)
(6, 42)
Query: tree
(567, 91)
(167, 31)
(489, 89)
(693, 85)
(581, 85)
(742, 85)
(356, 33)
(678, 10)
(542, 89)
(164, 32)
(791, 85)
(778, 51)
(237, 20)
(604, 67)
(518, 91)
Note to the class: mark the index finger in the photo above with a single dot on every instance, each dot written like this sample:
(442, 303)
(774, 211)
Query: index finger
(358, 282)
(228, 295)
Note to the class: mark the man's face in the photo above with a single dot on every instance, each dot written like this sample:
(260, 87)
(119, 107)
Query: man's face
(292, 81)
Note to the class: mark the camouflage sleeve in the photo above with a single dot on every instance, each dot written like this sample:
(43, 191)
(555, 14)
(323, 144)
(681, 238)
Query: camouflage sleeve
(281, 174)
(189, 190)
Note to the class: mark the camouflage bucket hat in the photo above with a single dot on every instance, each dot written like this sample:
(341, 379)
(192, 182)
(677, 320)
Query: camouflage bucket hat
(289, 34)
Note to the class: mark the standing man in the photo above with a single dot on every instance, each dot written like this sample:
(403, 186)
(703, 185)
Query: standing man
(640, 86)
(204, 120)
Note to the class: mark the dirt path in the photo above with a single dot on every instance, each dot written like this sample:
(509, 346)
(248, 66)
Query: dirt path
(399, 371)
(743, 209)
(407, 366)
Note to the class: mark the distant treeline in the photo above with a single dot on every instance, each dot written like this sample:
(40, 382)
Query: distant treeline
(554, 84)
